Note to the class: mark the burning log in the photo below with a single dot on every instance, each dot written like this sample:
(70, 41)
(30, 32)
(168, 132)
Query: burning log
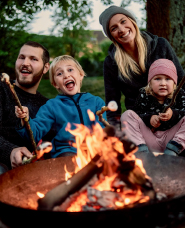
(57, 195)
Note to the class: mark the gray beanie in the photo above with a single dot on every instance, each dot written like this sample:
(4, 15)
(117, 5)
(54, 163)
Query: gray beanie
(109, 13)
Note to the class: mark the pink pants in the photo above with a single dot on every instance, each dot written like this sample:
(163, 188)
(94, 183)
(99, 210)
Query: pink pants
(139, 133)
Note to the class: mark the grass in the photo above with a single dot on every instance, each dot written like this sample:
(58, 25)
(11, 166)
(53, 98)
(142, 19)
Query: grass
(93, 85)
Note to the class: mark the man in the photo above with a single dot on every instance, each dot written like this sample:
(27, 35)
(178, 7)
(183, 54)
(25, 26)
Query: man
(32, 62)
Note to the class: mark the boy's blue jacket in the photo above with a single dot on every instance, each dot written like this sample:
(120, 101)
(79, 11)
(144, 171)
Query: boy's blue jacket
(59, 111)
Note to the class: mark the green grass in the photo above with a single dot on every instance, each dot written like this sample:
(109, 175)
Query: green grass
(93, 85)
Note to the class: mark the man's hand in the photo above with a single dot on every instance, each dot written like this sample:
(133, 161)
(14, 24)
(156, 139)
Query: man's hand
(166, 116)
(17, 154)
(155, 121)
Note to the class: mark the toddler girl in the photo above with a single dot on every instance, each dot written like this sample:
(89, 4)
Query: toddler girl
(169, 134)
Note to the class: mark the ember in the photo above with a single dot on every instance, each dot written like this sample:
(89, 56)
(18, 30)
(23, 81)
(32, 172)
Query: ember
(107, 174)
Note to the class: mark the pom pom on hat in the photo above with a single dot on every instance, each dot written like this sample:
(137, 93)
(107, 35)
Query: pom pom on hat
(165, 67)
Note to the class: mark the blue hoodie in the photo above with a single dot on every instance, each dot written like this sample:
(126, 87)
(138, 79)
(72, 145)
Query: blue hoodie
(58, 112)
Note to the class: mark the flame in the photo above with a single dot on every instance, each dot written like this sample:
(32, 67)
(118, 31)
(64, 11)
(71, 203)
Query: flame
(77, 205)
(140, 165)
(105, 184)
(67, 174)
(40, 195)
(90, 142)
(91, 115)
(127, 201)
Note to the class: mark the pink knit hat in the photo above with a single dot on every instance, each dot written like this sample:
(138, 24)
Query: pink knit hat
(163, 66)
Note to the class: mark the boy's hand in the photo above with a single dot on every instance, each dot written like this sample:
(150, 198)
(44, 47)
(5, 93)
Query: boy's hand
(166, 116)
(155, 121)
(22, 114)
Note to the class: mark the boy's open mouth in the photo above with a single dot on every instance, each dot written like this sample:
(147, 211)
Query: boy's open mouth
(70, 84)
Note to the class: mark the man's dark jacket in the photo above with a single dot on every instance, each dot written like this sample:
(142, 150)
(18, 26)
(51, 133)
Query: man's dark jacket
(9, 138)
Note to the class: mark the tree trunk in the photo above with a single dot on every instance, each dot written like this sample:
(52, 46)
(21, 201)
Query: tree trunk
(166, 18)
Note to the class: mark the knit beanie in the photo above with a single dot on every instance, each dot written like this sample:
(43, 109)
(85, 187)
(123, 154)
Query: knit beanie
(107, 14)
(163, 66)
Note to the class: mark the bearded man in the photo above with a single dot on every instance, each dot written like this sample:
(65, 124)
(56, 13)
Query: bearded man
(32, 62)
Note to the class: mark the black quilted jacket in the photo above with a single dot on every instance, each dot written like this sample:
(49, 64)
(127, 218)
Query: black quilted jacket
(147, 105)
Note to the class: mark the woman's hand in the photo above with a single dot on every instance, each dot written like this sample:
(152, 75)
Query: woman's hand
(155, 121)
(166, 116)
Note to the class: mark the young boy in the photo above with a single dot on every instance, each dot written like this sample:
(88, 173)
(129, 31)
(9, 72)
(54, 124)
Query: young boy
(169, 136)
(70, 106)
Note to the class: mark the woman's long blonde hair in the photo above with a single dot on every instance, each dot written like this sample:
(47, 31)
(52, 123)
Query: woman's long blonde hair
(125, 62)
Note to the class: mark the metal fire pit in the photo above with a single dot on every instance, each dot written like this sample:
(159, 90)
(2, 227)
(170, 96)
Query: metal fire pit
(18, 189)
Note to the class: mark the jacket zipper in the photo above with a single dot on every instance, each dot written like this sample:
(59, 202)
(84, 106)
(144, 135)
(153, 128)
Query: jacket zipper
(78, 108)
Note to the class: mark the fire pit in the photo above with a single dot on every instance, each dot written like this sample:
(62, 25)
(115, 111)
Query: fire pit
(103, 156)
(19, 187)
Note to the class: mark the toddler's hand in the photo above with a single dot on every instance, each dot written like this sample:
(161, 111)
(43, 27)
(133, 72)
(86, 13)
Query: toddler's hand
(166, 116)
(155, 121)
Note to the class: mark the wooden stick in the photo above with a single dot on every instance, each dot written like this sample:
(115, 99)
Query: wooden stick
(174, 95)
(6, 79)
(112, 106)
(44, 147)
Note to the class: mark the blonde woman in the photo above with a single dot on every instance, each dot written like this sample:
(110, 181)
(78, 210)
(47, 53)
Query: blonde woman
(129, 58)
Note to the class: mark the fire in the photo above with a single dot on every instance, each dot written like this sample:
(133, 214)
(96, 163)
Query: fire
(67, 174)
(89, 143)
(40, 195)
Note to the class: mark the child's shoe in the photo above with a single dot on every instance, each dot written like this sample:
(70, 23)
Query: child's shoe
(173, 148)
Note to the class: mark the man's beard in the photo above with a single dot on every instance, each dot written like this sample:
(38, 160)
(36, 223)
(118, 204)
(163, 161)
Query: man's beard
(29, 84)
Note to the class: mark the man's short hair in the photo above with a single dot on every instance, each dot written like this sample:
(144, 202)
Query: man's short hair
(45, 56)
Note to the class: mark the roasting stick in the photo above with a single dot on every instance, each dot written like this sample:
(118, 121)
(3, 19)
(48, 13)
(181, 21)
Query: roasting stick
(5, 78)
(44, 147)
(175, 94)
(112, 106)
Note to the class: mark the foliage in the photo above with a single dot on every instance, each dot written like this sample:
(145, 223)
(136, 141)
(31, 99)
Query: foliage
(126, 3)
(93, 63)
(52, 43)
(72, 30)
(12, 30)
(15, 16)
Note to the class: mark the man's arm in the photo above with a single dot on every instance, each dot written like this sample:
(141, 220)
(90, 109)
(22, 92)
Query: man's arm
(10, 153)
